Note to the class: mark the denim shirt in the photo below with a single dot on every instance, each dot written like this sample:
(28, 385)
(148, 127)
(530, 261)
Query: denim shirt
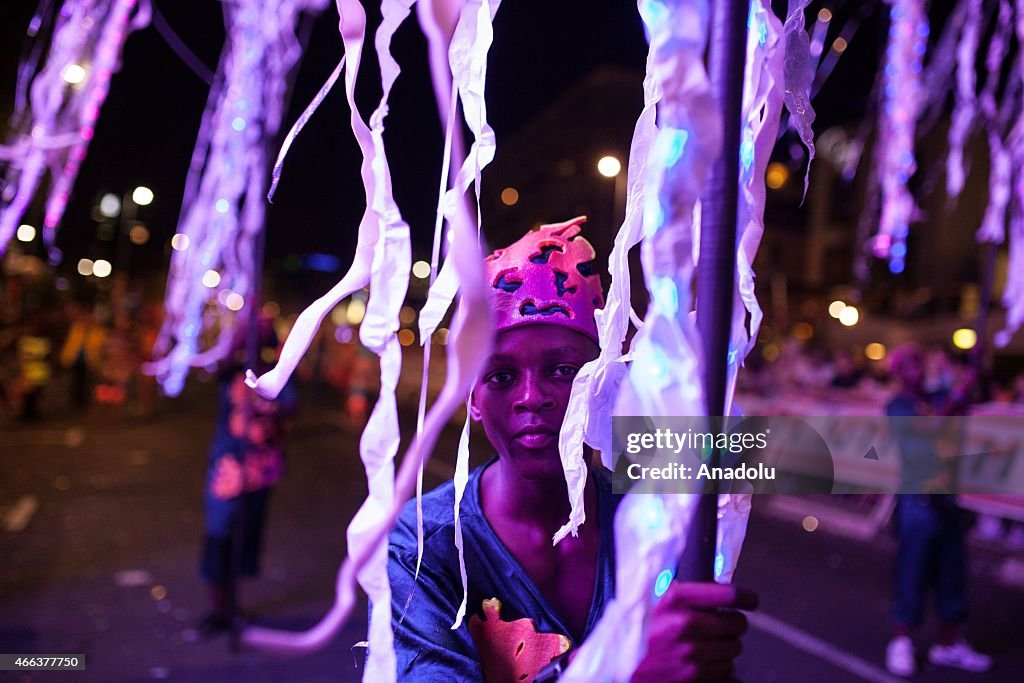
(424, 608)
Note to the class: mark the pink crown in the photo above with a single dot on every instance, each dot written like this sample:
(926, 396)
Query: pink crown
(547, 276)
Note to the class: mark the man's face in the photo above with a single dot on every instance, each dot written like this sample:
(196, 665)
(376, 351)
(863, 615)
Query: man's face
(523, 392)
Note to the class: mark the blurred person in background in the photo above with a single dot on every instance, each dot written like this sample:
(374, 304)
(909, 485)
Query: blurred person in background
(119, 364)
(146, 336)
(34, 363)
(846, 374)
(363, 382)
(82, 352)
(246, 459)
(1018, 389)
(939, 371)
(930, 527)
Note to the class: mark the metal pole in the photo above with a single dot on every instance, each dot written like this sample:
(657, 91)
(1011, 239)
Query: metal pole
(716, 271)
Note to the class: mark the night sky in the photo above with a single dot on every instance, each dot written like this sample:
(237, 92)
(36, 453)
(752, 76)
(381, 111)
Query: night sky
(148, 124)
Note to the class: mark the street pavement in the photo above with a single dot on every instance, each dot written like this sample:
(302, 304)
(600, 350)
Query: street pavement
(100, 524)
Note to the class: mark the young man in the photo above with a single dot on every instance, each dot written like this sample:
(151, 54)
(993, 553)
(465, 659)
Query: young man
(530, 602)
(931, 532)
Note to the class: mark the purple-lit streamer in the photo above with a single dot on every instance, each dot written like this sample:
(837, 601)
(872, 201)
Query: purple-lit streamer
(1013, 292)
(966, 99)
(798, 73)
(299, 124)
(87, 34)
(993, 224)
(468, 344)
(223, 209)
(650, 529)
(902, 98)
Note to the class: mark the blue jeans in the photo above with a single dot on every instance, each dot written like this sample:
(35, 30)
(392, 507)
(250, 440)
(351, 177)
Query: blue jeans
(931, 554)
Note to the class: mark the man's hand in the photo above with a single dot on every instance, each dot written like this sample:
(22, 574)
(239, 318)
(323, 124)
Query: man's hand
(695, 633)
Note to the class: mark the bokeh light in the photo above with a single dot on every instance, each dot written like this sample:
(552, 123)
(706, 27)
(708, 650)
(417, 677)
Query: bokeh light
(776, 175)
(179, 242)
(609, 166)
(143, 196)
(26, 233)
(421, 269)
(875, 351)
(510, 196)
(849, 316)
(803, 331)
(234, 301)
(406, 337)
(355, 311)
(139, 234)
(211, 279)
(965, 338)
(73, 73)
(101, 268)
(110, 205)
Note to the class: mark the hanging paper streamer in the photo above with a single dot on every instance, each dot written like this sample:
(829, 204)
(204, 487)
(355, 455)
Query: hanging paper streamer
(762, 112)
(64, 101)
(902, 97)
(464, 80)
(993, 225)
(966, 100)
(1013, 293)
(939, 76)
(467, 349)
(223, 211)
(353, 29)
(438, 20)
(649, 528)
(588, 416)
(798, 77)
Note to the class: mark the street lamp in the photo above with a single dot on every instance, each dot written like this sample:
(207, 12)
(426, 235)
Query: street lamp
(143, 196)
(610, 167)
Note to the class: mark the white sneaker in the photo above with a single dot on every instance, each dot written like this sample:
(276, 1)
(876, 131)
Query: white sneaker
(959, 655)
(899, 657)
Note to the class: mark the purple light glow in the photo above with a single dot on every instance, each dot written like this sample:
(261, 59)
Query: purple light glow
(224, 208)
(63, 104)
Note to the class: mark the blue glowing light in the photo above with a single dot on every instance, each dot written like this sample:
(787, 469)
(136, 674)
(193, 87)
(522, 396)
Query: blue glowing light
(747, 149)
(653, 12)
(238, 123)
(658, 363)
(222, 205)
(654, 514)
(666, 295)
(896, 266)
(899, 250)
(324, 263)
(663, 581)
(654, 215)
(719, 565)
(674, 143)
